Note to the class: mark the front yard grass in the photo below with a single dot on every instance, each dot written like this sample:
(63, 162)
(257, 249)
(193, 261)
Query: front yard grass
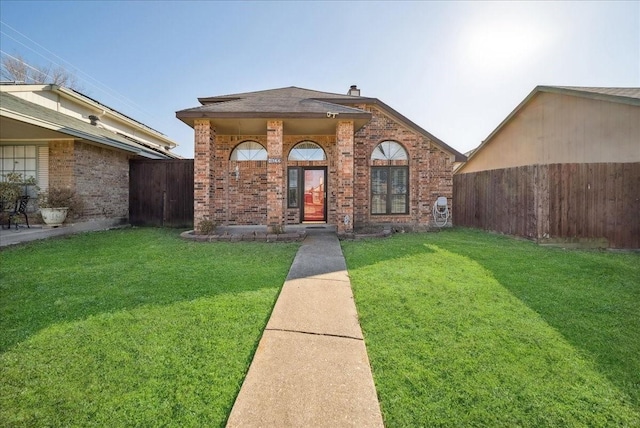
(131, 327)
(466, 328)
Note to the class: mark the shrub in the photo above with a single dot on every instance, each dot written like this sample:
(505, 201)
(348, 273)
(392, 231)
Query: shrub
(205, 227)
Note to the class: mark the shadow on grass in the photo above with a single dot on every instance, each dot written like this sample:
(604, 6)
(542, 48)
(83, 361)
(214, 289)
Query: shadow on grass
(590, 297)
(50, 282)
(376, 250)
(450, 344)
(179, 364)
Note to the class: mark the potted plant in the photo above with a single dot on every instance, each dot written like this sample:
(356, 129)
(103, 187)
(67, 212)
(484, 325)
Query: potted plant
(57, 203)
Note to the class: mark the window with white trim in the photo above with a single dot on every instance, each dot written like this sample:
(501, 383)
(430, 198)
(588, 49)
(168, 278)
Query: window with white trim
(389, 183)
(307, 151)
(23, 159)
(249, 151)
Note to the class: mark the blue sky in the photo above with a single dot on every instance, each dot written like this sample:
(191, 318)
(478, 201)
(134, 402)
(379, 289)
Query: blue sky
(455, 68)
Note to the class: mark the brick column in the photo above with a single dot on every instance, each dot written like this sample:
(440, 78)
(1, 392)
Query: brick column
(62, 162)
(344, 170)
(275, 177)
(203, 185)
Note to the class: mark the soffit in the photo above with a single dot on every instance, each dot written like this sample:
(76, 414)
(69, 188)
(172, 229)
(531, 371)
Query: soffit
(15, 130)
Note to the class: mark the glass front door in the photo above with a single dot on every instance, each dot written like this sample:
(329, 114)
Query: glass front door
(314, 207)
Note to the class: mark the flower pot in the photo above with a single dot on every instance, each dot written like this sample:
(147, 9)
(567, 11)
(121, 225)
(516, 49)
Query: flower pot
(54, 216)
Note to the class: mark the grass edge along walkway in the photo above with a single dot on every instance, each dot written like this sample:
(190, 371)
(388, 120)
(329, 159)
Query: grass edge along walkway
(450, 344)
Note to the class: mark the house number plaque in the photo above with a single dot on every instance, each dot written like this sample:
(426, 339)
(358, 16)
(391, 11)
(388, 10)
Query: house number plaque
(275, 160)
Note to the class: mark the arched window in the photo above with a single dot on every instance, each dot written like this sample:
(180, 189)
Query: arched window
(389, 150)
(390, 183)
(307, 151)
(249, 151)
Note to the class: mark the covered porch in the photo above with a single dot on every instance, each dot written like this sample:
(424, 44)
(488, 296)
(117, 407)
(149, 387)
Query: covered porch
(274, 166)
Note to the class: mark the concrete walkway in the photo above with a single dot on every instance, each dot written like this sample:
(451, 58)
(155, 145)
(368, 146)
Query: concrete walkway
(23, 234)
(311, 367)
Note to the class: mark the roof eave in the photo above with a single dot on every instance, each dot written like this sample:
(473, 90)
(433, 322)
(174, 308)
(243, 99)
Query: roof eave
(267, 115)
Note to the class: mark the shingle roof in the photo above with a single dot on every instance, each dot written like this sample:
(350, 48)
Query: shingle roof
(291, 101)
(19, 109)
(621, 92)
(624, 95)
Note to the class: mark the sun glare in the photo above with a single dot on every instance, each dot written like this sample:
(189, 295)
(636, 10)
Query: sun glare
(501, 46)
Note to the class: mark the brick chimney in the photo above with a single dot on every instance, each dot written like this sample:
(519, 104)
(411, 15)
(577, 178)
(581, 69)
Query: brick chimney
(354, 91)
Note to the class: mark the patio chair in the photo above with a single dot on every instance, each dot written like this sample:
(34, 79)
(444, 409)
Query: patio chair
(20, 208)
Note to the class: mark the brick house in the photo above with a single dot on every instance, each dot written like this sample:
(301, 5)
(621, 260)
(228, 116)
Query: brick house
(66, 139)
(292, 155)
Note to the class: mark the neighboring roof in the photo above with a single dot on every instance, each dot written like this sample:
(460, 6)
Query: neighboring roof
(16, 108)
(82, 99)
(294, 102)
(616, 95)
(619, 95)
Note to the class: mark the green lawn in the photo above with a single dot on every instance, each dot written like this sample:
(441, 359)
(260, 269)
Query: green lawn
(132, 327)
(466, 328)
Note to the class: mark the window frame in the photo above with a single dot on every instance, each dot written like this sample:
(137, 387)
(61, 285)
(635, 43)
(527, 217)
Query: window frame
(400, 154)
(389, 191)
(239, 147)
(297, 170)
(14, 158)
(296, 147)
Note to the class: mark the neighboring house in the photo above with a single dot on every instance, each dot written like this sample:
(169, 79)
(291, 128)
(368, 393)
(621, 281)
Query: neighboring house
(563, 166)
(293, 155)
(66, 139)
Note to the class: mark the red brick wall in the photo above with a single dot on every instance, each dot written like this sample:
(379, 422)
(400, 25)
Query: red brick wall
(430, 171)
(244, 201)
(247, 194)
(100, 176)
(275, 184)
(203, 177)
(61, 160)
(241, 200)
(344, 172)
(102, 179)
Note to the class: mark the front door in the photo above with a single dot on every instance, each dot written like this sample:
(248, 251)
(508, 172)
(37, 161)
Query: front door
(314, 205)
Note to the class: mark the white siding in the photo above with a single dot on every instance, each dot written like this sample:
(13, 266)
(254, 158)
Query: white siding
(43, 167)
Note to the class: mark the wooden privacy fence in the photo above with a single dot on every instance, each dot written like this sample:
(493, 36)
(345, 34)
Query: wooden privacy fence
(161, 192)
(566, 201)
